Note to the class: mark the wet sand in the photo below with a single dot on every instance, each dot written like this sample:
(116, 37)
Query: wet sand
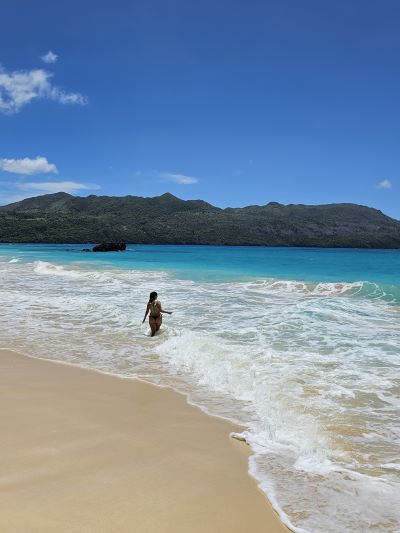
(85, 452)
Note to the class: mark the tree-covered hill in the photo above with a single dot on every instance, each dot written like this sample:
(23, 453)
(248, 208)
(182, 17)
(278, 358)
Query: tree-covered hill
(63, 218)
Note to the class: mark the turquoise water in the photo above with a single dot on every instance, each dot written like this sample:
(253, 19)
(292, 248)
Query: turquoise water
(299, 346)
(217, 263)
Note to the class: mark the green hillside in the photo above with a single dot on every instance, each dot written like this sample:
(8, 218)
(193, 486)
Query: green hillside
(62, 218)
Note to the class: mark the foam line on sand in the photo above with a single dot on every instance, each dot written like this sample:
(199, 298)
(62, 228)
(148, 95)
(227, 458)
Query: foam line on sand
(91, 453)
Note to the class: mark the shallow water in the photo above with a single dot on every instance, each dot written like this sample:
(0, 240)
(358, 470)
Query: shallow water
(301, 346)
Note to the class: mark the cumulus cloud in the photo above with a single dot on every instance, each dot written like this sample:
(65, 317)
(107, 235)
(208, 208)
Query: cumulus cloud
(21, 87)
(179, 178)
(57, 186)
(28, 166)
(384, 184)
(49, 58)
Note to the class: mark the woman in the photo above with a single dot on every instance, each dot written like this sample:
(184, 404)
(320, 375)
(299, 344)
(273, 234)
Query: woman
(155, 309)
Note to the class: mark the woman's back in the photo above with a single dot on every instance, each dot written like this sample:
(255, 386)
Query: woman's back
(155, 308)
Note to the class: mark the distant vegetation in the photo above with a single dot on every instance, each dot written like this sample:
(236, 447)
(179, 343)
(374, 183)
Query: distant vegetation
(62, 218)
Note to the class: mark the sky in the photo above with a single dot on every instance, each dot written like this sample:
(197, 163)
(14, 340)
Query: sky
(233, 102)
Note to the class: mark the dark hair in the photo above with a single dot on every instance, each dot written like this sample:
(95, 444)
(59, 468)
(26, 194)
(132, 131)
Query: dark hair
(153, 296)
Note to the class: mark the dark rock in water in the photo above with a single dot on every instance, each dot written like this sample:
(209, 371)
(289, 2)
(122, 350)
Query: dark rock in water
(110, 247)
(86, 250)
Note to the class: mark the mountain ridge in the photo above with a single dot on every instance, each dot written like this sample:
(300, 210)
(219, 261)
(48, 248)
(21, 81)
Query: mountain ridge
(167, 219)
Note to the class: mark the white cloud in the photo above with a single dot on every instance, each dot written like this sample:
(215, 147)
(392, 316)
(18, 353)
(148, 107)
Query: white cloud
(57, 186)
(15, 191)
(384, 184)
(20, 87)
(28, 166)
(6, 198)
(49, 58)
(179, 178)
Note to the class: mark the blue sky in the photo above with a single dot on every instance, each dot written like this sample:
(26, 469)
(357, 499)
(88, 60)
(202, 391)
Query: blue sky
(237, 103)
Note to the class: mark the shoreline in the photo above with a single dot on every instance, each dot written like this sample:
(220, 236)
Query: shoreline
(88, 451)
(280, 247)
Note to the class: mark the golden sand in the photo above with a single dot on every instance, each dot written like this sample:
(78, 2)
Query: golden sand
(85, 452)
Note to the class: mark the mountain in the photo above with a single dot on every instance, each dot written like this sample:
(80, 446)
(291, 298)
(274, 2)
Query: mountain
(166, 219)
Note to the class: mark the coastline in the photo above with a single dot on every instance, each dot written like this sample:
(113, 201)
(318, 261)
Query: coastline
(85, 451)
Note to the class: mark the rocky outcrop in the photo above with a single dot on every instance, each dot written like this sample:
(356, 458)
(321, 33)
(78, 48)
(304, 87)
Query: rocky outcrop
(110, 247)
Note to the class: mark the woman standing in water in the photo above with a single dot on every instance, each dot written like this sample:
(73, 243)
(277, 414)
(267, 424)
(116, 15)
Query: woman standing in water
(155, 309)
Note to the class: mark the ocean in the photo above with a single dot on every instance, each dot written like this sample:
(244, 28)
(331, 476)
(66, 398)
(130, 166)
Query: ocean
(300, 346)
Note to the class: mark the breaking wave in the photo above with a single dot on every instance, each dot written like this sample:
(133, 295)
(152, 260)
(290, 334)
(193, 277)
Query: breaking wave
(310, 370)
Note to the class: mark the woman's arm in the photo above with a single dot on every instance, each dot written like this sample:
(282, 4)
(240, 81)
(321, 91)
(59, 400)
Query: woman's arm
(163, 311)
(146, 313)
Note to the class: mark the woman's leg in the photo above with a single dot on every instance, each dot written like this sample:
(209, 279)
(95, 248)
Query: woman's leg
(158, 323)
(153, 326)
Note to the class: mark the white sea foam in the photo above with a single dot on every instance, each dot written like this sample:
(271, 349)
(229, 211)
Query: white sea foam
(310, 370)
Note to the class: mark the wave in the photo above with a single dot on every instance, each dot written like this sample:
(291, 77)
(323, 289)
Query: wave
(306, 417)
(43, 267)
(310, 370)
(360, 289)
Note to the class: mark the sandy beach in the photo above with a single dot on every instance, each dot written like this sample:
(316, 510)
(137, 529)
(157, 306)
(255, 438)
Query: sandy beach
(87, 452)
